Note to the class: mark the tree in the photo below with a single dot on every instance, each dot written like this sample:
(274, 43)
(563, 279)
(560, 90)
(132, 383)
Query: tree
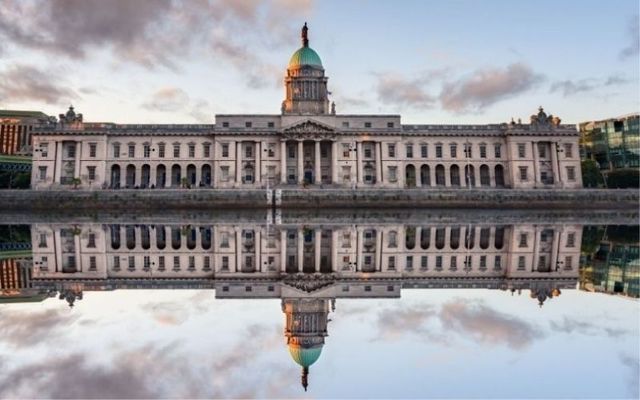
(75, 182)
(591, 175)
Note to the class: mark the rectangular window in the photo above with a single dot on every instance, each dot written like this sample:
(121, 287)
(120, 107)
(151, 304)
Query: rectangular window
(439, 263)
(225, 263)
(368, 151)
(367, 124)
(568, 150)
(483, 151)
(497, 150)
(454, 150)
(409, 262)
(224, 240)
(43, 240)
(91, 173)
(367, 288)
(161, 150)
(192, 150)
(71, 151)
(116, 263)
(42, 173)
(225, 124)
(206, 263)
(146, 151)
(568, 263)
(271, 125)
(391, 149)
(438, 151)
(392, 262)
(345, 150)
(523, 240)
(483, 262)
(132, 263)
(116, 150)
(91, 242)
(542, 150)
(523, 173)
(345, 124)
(248, 151)
(571, 239)
(192, 263)
(271, 150)
(424, 151)
(467, 150)
(44, 150)
(206, 150)
(161, 263)
(393, 174)
(92, 150)
(176, 151)
(521, 262)
(176, 263)
(497, 264)
(424, 263)
(346, 239)
(522, 150)
(93, 264)
(248, 124)
(571, 173)
(454, 263)
(409, 151)
(225, 149)
(132, 150)
(389, 124)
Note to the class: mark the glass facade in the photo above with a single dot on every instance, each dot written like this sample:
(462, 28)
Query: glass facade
(613, 143)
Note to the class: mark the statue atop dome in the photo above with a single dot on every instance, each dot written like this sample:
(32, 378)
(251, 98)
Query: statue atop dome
(305, 37)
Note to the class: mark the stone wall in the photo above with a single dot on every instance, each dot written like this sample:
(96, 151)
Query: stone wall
(310, 198)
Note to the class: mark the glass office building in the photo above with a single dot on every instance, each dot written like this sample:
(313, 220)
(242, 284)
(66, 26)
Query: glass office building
(613, 143)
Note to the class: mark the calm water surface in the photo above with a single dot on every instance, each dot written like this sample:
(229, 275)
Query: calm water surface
(401, 306)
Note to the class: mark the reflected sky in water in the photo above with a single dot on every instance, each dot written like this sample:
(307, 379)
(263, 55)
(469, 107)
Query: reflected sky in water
(392, 341)
(429, 343)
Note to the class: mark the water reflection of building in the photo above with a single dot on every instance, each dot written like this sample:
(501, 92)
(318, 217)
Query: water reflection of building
(309, 267)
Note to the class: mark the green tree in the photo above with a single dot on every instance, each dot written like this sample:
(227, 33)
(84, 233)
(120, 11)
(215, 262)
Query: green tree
(591, 176)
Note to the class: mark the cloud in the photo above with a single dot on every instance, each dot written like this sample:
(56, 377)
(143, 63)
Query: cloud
(394, 89)
(572, 326)
(487, 86)
(161, 33)
(173, 99)
(30, 329)
(633, 363)
(394, 323)
(486, 325)
(167, 100)
(26, 83)
(571, 87)
(632, 50)
(167, 313)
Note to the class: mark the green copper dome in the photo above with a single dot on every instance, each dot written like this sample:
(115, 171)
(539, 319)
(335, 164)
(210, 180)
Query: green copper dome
(305, 56)
(305, 356)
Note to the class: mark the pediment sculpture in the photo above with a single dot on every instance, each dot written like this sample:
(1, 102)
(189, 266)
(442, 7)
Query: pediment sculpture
(309, 129)
(309, 282)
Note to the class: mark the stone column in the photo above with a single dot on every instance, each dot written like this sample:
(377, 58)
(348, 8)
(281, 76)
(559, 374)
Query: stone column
(283, 162)
(258, 178)
(58, 163)
(557, 175)
(555, 250)
(77, 173)
(300, 248)
(378, 250)
(359, 162)
(379, 180)
(317, 178)
(238, 250)
(334, 250)
(283, 250)
(238, 163)
(536, 164)
(258, 251)
(492, 237)
(317, 235)
(334, 162)
(536, 249)
(359, 247)
(300, 162)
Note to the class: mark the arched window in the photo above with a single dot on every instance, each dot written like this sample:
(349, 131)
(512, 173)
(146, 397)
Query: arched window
(499, 239)
(469, 176)
(440, 175)
(470, 237)
(115, 237)
(161, 176)
(115, 176)
(410, 238)
(485, 180)
(499, 170)
(131, 237)
(145, 176)
(191, 175)
(176, 239)
(191, 238)
(161, 237)
(145, 237)
(410, 176)
(454, 240)
(440, 238)
(484, 238)
(131, 176)
(425, 175)
(425, 237)
(176, 176)
(455, 175)
(206, 175)
(206, 238)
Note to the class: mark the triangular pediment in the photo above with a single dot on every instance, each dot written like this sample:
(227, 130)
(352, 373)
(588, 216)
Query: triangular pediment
(308, 283)
(309, 129)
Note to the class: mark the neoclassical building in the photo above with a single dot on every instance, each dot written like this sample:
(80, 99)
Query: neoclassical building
(307, 143)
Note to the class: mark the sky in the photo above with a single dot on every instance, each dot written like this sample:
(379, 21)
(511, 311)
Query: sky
(433, 62)
(430, 343)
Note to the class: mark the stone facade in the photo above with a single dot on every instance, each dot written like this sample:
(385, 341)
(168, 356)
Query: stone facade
(308, 143)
